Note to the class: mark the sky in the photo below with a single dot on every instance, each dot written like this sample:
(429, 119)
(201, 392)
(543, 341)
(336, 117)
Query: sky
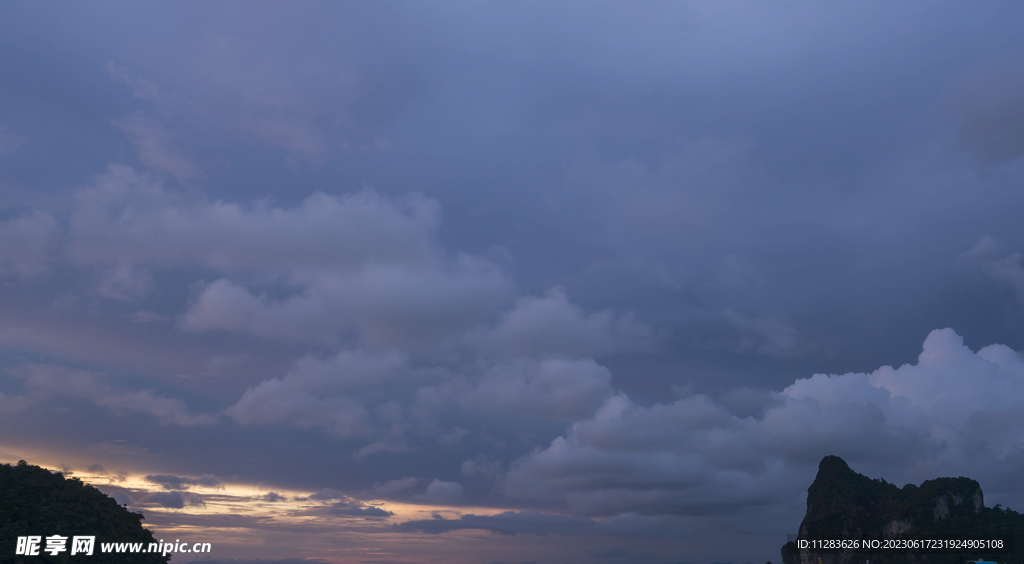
(509, 282)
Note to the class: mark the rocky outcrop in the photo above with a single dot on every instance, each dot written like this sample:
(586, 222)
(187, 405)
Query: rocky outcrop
(842, 504)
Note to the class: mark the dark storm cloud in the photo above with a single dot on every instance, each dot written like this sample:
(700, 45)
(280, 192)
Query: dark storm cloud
(171, 482)
(171, 500)
(508, 523)
(592, 262)
(542, 524)
(355, 510)
(327, 495)
(990, 105)
(609, 552)
(258, 561)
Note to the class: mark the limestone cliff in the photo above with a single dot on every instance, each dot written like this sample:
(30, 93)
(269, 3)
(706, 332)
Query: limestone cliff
(843, 504)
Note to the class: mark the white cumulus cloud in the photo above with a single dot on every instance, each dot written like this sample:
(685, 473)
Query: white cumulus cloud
(955, 412)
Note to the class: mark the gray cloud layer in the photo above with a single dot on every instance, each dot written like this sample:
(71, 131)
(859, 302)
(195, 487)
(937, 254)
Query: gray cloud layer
(616, 270)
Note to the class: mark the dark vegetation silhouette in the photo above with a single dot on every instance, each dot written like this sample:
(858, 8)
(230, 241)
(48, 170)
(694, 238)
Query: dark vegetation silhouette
(37, 502)
(842, 504)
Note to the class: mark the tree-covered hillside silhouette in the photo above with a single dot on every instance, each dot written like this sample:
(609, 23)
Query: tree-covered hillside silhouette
(37, 502)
